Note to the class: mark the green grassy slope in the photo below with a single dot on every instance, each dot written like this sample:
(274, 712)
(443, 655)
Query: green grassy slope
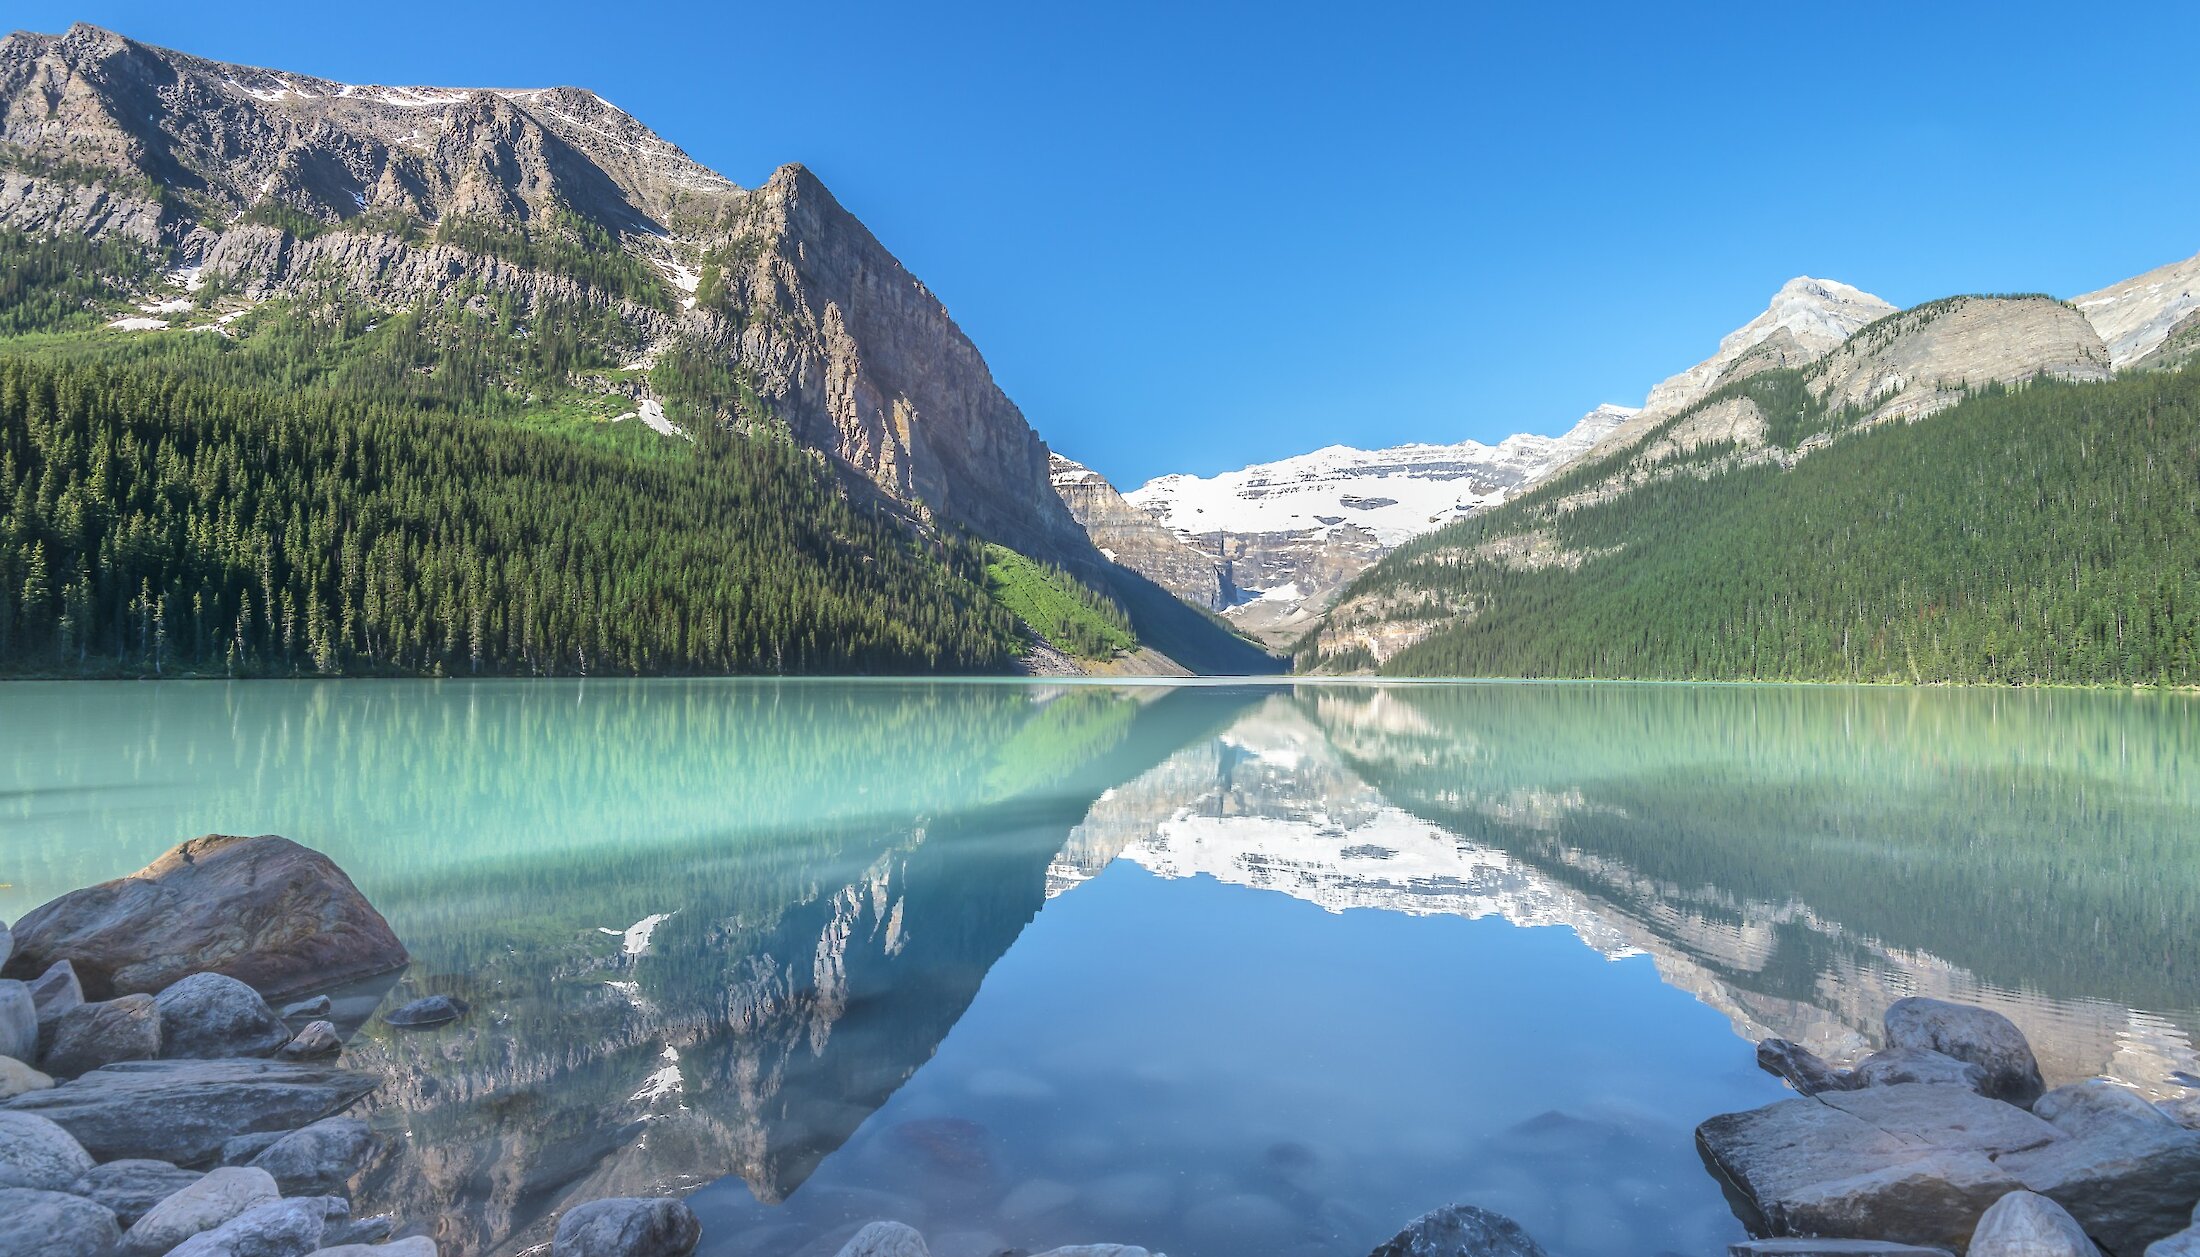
(1076, 620)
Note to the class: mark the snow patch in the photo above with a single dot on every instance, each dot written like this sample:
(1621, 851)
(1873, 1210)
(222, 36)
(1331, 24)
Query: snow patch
(140, 325)
(175, 306)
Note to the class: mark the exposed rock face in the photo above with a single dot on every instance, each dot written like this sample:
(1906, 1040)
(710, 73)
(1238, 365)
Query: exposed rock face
(183, 1111)
(265, 911)
(1805, 319)
(1131, 537)
(1920, 361)
(2136, 316)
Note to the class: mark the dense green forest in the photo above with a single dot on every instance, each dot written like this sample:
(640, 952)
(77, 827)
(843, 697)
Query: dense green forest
(329, 488)
(2043, 535)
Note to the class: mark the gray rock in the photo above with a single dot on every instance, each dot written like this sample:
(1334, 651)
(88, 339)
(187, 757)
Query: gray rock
(2096, 1104)
(315, 1007)
(54, 1224)
(1938, 1115)
(2127, 1184)
(1461, 1231)
(132, 1187)
(2184, 1110)
(38, 1154)
(208, 1016)
(56, 991)
(1813, 1246)
(209, 1202)
(323, 1159)
(1804, 1167)
(431, 1010)
(285, 1228)
(358, 1231)
(92, 1035)
(2185, 1243)
(183, 1111)
(1891, 1067)
(16, 1078)
(1099, 1250)
(266, 911)
(240, 1149)
(1803, 1069)
(886, 1239)
(627, 1226)
(317, 1041)
(2023, 1224)
(1984, 1038)
(18, 1021)
(410, 1246)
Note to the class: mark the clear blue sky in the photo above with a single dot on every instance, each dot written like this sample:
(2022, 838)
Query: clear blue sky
(1188, 237)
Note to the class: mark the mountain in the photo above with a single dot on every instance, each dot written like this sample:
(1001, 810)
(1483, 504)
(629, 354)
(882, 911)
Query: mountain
(236, 199)
(2137, 316)
(1131, 537)
(1958, 492)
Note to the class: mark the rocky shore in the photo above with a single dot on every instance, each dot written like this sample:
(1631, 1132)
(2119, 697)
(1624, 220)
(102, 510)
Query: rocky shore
(170, 1084)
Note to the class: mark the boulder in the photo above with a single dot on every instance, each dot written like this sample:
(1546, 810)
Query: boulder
(432, 1010)
(91, 1035)
(1941, 1116)
(205, 1204)
(1983, 1037)
(318, 1006)
(2183, 1110)
(17, 1078)
(54, 1224)
(56, 991)
(886, 1239)
(284, 1228)
(1461, 1231)
(18, 1021)
(183, 1111)
(2083, 1107)
(39, 1154)
(132, 1187)
(208, 1016)
(2128, 1184)
(240, 1149)
(1804, 1167)
(1098, 1250)
(266, 911)
(1803, 1069)
(359, 1231)
(2024, 1224)
(628, 1226)
(1813, 1246)
(322, 1159)
(1891, 1067)
(317, 1041)
(2185, 1243)
(410, 1246)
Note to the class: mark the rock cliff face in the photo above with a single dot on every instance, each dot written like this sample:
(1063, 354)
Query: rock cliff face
(1132, 538)
(1920, 361)
(2138, 315)
(263, 179)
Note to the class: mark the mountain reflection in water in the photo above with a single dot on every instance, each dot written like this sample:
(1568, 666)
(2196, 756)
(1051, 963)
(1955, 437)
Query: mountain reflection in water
(1218, 969)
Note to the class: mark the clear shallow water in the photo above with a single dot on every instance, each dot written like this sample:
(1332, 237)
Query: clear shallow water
(1225, 970)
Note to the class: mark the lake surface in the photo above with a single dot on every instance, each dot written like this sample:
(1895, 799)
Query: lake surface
(1226, 970)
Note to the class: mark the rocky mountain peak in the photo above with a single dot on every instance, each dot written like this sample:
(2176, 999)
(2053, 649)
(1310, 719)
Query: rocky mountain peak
(1808, 316)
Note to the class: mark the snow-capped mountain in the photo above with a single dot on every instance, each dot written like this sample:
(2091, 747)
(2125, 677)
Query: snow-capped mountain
(2136, 315)
(1805, 320)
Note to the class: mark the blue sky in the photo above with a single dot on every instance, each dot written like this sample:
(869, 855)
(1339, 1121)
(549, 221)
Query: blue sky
(1190, 237)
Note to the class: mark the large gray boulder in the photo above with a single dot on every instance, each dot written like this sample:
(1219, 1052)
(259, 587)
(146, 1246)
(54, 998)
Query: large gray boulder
(38, 1154)
(627, 1226)
(2097, 1104)
(2128, 1184)
(91, 1035)
(210, 1015)
(2025, 1224)
(2185, 1243)
(1892, 1067)
(1978, 1035)
(886, 1239)
(183, 1111)
(284, 1228)
(132, 1186)
(18, 1021)
(274, 915)
(56, 991)
(323, 1159)
(54, 1224)
(202, 1206)
(1817, 1246)
(1944, 1116)
(1804, 1167)
(1461, 1231)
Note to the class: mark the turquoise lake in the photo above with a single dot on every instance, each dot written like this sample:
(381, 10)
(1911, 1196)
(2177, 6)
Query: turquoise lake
(1225, 970)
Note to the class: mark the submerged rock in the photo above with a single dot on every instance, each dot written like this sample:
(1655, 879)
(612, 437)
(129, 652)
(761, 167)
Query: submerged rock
(183, 1111)
(1803, 1069)
(201, 1206)
(92, 1035)
(1099, 1250)
(54, 1224)
(209, 1015)
(2128, 1183)
(16, 1078)
(1983, 1037)
(284, 1228)
(316, 1042)
(323, 1158)
(627, 1226)
(1461, 1231)
(39, 1154)
(266, 911)
(432, 1010)
(315, 1007)
(411, 1246)
(886, 1239)
(18, 1021)
(132, 1187)
(1892, 1067)
(2024, 1224)
(1814, 1246)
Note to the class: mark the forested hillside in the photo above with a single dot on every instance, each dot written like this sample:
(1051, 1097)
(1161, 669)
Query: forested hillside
(2043, 535)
